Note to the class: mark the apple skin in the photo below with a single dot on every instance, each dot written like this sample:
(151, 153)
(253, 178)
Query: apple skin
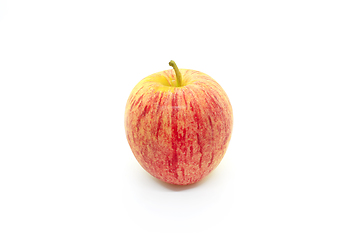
(178, 134)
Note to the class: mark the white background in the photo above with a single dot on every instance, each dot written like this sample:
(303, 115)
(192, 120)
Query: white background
(293, 71)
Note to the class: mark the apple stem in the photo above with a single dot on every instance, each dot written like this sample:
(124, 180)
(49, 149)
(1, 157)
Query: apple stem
(178, 73)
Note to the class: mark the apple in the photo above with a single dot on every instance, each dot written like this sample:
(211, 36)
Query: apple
(178, 124)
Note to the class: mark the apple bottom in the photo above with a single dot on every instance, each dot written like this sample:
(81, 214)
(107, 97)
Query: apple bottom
(188, 166)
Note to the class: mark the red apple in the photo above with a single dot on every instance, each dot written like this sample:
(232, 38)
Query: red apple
(178, 124)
